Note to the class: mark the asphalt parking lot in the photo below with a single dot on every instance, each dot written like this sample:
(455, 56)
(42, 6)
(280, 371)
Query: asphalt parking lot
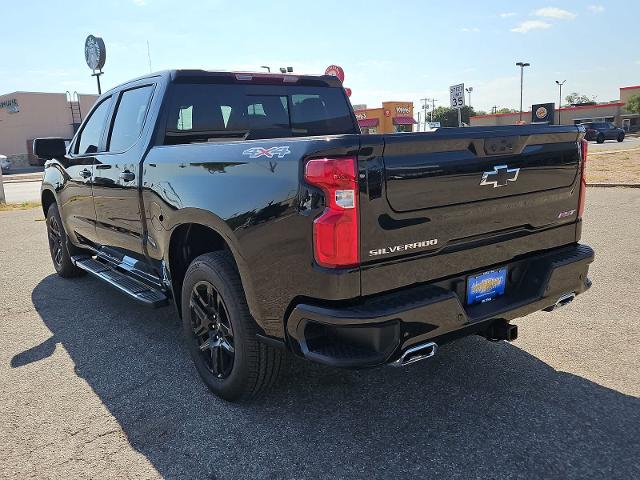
(93, 386)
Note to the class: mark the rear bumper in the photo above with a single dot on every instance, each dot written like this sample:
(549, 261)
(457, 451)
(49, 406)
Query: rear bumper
(379, 329)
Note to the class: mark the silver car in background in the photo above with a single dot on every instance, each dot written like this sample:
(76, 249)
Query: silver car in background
(5, 163)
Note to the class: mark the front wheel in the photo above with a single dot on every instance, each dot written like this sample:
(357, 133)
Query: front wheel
(220, 332)
(620, 137)
(600, 138)
(59, 246)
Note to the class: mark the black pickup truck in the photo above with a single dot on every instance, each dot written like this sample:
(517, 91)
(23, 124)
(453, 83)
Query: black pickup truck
(252, 203)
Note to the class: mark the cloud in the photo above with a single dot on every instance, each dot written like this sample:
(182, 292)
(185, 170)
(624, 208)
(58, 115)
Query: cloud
(596, 8)
(473, 29)
(508, 14)
(528, 25)
(555, 12)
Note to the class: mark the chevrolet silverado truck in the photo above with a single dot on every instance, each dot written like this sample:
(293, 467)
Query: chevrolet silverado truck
(252, 203)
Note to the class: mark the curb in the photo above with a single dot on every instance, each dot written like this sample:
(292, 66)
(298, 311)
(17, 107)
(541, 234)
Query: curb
(621, 185)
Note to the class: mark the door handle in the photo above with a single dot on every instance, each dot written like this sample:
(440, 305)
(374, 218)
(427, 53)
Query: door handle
(127, 176)
(85, 173)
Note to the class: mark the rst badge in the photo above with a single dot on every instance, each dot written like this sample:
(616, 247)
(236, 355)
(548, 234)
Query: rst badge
(257, 152)
(500, 176)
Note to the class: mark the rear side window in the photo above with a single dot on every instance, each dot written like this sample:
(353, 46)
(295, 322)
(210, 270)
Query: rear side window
(129, 118)
(218, 112)
(89, 140)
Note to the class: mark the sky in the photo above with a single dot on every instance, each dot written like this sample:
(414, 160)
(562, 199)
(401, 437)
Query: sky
(389, 50)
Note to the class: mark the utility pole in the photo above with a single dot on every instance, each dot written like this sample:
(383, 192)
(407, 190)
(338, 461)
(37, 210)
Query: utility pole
(560, 84)
(521, 65)
(425, 107)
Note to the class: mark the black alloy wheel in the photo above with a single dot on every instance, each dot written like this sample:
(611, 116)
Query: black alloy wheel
(55, 241)
(212, 329)
(59, 246)
(220, 333)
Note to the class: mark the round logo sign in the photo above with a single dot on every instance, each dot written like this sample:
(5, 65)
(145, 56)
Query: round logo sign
(387, 113)
(347, 91)
(336, 71)
(94, 52)
(541, 113)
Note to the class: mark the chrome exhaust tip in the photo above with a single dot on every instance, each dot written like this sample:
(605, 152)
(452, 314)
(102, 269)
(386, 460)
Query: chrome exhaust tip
(565, 299)
(415, 354)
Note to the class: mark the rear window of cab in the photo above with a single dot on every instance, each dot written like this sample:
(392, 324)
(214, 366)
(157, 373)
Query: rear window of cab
(220, 112)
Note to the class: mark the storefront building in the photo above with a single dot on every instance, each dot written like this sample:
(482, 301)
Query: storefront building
(613, 111)
(392, 117)
(28, 115)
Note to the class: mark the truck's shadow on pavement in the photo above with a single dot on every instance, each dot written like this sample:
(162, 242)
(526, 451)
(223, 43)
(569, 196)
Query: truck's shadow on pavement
(477, 410)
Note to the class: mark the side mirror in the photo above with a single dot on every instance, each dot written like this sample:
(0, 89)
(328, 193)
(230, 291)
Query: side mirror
(48, 148)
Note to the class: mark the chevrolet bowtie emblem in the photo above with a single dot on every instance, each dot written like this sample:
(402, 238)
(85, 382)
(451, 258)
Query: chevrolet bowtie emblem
(500, 176)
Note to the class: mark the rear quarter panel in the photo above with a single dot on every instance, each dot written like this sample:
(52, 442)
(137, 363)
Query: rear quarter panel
(258, 205)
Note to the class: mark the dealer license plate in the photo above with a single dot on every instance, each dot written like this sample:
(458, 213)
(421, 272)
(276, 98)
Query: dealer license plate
(486, 286)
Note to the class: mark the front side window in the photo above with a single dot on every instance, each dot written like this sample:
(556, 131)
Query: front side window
(89, 140)
(129, 118)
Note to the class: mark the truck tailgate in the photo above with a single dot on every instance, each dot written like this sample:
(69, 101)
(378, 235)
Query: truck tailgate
(451, 201)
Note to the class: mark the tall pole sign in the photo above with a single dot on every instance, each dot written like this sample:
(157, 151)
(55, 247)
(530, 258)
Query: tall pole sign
(95, 55)
(456, 98)
(337, 71)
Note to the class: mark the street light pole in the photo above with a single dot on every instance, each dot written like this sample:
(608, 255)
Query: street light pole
(469, 90)
(268, 68)
(521, 65)
(560, 99)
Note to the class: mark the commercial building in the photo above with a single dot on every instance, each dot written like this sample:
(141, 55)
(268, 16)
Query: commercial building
(28, 115)
(390, 118)
(613, 111)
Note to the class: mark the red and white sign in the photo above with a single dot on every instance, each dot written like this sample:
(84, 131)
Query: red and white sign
(336, 71)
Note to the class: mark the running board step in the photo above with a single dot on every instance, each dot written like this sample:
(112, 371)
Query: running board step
(137, 290)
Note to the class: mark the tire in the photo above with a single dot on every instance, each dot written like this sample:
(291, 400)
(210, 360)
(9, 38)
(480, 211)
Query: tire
(620, 137)
(60, 248)
(216, 319)
(600, 138)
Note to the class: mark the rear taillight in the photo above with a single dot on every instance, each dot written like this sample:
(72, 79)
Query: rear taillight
(583, 176)
(335, 232)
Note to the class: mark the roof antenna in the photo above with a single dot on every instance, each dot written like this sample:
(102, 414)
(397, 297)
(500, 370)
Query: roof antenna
(149, 56)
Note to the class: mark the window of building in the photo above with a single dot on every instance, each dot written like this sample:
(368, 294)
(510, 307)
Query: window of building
(129, 118)
(89, 139)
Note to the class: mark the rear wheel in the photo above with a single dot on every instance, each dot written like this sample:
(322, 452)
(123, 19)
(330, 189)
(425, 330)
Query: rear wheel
(59, 246)
(600, 138)
(620, 137)
(220, 332)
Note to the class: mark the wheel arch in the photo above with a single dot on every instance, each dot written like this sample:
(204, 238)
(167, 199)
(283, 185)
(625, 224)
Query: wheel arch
(47, 198)
(197, 236)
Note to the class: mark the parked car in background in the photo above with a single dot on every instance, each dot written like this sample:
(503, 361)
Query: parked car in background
(601, 131)
(5, 163)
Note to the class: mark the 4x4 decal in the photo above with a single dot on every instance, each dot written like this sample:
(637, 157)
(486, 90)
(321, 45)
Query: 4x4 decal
(256, 152)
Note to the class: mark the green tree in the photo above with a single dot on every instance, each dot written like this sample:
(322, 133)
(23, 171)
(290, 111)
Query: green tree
(481, 113)
(448, 117)
(576, 97)
(506, 110)
(633, 104)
